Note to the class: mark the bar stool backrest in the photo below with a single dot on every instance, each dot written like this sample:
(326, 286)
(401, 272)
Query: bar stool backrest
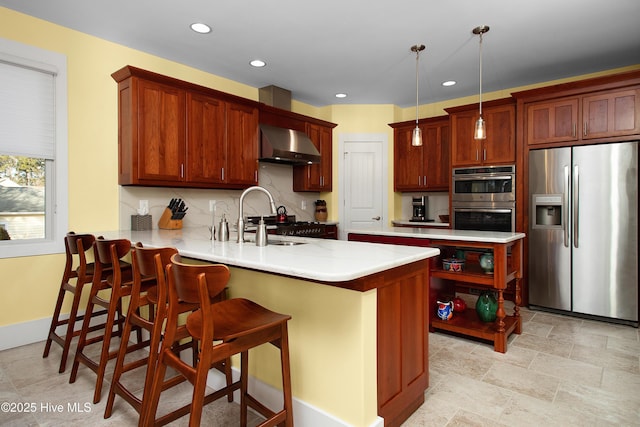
(186, 281)
(78, 244)
(109, 253)
(151, 262)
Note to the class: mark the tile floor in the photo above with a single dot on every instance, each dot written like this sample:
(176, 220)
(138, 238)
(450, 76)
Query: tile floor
(562, 371)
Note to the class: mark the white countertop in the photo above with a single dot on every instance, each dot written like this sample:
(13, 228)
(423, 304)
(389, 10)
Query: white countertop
(317, 259)
(445, 234)
(421, 224)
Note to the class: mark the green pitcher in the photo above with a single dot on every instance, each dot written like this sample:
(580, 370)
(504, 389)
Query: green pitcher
(487, 306)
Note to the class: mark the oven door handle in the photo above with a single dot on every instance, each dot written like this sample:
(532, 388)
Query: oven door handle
(487, 210)
(482, 178)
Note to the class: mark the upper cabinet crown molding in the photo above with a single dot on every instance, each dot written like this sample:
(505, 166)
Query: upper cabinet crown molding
(579, 87)
(131, 71)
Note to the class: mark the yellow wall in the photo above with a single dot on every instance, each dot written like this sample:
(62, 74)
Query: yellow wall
(93, 138)
(93, 189)
(320, 357)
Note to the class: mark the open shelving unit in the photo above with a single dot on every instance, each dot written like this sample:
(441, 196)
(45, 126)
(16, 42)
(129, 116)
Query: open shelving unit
(507, 268)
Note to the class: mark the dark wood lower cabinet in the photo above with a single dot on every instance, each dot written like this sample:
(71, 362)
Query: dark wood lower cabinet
(403, 336)
(403, 342)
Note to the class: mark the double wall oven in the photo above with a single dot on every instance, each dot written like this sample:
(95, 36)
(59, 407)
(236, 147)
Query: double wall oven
(484, 198)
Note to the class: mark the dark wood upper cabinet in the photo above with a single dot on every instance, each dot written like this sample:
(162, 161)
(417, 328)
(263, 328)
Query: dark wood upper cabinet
(500, 145)
(611, 114)
(173, 133)
(553, 121)
(156, 132)
(424, 168)
(316, 177)
(206, 125)
(601, 109)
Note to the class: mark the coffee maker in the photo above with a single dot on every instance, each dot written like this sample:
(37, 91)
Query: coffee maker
(419, 206)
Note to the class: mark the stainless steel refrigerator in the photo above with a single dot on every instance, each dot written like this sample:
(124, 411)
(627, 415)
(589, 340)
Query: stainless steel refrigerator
(583, 230)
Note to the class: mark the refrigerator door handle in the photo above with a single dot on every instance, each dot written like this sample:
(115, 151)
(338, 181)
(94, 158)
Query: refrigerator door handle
(565, 206)
(576, 204)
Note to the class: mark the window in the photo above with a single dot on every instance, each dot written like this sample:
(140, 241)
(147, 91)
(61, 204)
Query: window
(33, 150)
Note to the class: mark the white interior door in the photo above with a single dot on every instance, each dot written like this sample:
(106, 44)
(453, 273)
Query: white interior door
(364, 182)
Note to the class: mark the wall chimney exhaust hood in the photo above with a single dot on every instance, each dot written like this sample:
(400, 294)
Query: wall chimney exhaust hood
(280, 145)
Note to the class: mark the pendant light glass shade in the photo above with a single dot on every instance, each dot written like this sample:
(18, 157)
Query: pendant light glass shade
(416, 137)
(480, 130)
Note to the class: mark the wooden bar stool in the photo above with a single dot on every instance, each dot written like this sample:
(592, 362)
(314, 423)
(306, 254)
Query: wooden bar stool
(146, 262)
(119, 282)
(223, 329)
(76, 267)
(150, 263)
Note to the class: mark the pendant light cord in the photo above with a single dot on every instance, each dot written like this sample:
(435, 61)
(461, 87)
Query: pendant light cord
(417, 91)
(480, 74)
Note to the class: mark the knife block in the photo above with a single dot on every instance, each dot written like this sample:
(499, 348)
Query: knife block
(166, 223)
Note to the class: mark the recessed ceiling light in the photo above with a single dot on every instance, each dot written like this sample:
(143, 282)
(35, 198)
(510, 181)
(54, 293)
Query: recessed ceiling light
(201, 28)
(449, 83)
(341, 95)
(258, 63)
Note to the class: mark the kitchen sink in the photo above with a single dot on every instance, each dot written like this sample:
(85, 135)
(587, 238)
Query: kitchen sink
(286, 243)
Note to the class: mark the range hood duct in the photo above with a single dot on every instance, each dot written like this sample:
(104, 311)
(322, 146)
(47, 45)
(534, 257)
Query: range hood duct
(282, 145)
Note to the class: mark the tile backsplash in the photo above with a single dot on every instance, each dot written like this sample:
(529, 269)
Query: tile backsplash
(276, 178)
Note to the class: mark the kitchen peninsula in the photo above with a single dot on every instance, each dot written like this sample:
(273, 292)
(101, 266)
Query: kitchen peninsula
(358, 335)
(507, 254)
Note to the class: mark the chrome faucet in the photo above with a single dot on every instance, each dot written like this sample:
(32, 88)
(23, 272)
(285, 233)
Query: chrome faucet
(241, 208)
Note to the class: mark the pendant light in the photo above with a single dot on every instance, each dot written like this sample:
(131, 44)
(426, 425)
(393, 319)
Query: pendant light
(481, 130)
(416, 138)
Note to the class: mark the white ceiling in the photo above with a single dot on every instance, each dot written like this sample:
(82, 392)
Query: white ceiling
(362, 47)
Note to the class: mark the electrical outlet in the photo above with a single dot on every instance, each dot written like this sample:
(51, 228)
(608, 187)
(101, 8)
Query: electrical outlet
(303, 205)
(212, 205)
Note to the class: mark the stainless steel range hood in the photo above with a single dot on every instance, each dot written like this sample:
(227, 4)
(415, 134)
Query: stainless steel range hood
(282, 145)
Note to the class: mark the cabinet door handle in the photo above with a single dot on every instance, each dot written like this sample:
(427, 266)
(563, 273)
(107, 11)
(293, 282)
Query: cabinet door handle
(565, 206)
(376, 218)
(182, 170)
(222, 173)
(477, 155)
(576, 205)
(424, 178)
(584, 129)
(574, 129)
(255, 176)
(484, 154)
(419, 181)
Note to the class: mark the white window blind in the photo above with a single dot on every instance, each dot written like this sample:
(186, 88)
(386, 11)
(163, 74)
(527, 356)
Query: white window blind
(27, 111)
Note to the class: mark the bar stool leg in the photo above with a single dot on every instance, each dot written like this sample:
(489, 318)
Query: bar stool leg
(70, 322)
(244, 387)
(83, 333)
(286, 375)
(104, 354)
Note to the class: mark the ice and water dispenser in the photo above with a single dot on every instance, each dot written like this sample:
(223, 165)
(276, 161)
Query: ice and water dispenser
(547, 211)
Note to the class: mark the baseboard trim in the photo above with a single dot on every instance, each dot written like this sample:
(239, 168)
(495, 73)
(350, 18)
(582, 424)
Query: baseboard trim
(305, 414)
(19, 334)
